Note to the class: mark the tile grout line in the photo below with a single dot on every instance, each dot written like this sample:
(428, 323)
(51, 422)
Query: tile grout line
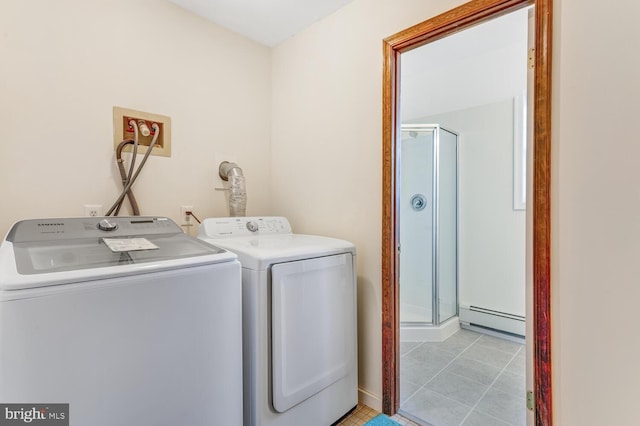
(412, 349)
(497, 350)
(489, 387)
(500, 350)
(442, 369)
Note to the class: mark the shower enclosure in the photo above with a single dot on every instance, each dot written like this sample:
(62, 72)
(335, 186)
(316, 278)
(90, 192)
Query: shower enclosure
(428, 219)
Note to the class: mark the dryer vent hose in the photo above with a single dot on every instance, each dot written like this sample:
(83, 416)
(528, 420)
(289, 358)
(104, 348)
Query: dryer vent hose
(232, 173)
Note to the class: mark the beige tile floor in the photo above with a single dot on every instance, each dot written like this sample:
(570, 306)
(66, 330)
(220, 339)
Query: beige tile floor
(363, 414)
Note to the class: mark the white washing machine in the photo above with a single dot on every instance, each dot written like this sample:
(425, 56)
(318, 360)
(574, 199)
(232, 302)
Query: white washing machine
(299, 321)
(128, 320)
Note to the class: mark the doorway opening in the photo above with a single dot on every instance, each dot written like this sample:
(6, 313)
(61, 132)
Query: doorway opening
(448, 23)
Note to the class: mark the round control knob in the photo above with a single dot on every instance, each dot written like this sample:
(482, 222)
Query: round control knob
(106, 225)
(252, 226)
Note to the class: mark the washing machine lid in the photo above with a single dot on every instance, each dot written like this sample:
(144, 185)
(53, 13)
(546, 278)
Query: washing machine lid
(45, 252)
(262, 241)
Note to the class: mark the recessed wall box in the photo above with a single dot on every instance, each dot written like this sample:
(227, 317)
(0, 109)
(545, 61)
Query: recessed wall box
(122, 129)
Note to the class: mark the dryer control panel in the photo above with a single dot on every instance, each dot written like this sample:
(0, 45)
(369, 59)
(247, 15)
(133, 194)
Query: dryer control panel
(224, 227)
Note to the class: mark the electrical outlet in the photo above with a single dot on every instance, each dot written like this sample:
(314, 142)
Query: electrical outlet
(186, 219)
(93, 210)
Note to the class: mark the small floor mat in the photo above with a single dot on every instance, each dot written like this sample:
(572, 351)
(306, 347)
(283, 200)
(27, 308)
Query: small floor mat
(381, 420)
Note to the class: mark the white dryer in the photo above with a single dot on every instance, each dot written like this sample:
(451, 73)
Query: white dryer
(127, 320)
(299, 321)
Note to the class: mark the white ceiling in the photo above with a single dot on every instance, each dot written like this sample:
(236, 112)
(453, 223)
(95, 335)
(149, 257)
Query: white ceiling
(268, 22)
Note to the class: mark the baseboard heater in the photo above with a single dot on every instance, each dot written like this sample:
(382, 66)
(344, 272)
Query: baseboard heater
(496, 320)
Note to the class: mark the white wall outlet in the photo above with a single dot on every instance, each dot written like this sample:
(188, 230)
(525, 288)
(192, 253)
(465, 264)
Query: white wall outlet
(93, 210)
(186, 219)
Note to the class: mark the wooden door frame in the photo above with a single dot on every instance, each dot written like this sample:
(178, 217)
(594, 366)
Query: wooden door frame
(466, 15)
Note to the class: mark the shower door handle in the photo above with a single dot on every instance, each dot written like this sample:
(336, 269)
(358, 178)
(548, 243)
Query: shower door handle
(418, 202)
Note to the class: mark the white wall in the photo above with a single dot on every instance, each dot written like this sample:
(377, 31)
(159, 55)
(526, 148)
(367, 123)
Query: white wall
(65, 64)
(492, 234)
(496, 51)
(595, 213)
(327, 143)
(327, 173)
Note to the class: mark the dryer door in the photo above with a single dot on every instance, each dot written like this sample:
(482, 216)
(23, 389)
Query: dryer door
(313, 326)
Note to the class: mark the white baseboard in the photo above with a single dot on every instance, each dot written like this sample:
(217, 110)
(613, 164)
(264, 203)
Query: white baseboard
(501, 321)
(370, 400)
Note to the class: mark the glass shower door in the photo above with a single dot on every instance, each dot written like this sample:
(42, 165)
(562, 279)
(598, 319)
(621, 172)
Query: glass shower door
(416, 226)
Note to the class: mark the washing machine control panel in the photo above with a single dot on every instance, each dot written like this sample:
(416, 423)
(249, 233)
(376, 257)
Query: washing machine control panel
(31, 230)
(244, 226)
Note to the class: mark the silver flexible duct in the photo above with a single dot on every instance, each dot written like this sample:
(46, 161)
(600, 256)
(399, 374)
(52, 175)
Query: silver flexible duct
(232, 173)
